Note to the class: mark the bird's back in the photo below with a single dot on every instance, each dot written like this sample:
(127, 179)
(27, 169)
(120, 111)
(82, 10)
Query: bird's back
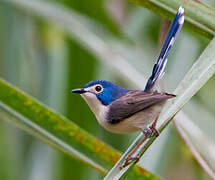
(134, 111)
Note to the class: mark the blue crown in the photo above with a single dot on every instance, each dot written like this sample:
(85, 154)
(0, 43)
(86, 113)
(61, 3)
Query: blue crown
(110, 91)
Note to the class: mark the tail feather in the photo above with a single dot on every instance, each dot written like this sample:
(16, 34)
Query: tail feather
(158, 69)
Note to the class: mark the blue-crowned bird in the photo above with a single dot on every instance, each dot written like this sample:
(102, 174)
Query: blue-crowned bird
(121, 110)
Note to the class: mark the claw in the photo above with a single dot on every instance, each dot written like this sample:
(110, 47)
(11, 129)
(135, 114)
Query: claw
(155, 131)
(153, 128)
(148, 132)
(128, 161)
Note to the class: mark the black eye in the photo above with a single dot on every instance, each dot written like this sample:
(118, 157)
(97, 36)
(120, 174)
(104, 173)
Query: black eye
(98, 88)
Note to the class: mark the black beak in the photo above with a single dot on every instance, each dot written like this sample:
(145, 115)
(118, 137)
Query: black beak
(79, 91)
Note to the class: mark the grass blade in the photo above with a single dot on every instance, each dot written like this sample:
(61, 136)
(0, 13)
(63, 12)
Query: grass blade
(82, 33)
(30, 115)
(202, 22)
(204, 155)
(198, 75)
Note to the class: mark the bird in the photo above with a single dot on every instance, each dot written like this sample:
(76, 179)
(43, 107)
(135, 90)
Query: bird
(123, 111)
(120, 110)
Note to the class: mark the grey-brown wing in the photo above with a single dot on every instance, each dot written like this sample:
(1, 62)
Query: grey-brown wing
(132, 103)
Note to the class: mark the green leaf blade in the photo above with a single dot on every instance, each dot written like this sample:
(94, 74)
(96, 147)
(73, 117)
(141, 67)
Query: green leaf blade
(198, 75)
(57, 131)
(199, 17)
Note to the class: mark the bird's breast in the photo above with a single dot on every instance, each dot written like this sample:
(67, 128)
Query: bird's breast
(136, 122)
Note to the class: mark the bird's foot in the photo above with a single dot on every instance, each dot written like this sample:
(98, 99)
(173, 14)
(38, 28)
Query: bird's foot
(154, 129)
(148, 132)
(129, 160)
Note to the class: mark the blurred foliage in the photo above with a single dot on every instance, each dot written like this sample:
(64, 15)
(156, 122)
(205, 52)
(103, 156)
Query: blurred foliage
(42, 60)
(202, 22)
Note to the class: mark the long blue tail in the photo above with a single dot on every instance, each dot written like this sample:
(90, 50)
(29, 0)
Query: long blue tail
(159, 66)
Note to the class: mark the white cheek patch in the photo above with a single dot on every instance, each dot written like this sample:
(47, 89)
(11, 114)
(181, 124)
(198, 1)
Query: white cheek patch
(90, 89)
(92, 102)
(88, 95)
(96, 106)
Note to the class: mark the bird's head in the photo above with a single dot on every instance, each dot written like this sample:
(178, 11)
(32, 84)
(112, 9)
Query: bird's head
(100, 91)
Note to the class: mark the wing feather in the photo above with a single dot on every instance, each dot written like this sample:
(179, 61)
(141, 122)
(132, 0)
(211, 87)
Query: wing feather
(132, 103)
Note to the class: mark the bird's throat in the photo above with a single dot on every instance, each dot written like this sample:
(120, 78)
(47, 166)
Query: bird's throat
(96, 107)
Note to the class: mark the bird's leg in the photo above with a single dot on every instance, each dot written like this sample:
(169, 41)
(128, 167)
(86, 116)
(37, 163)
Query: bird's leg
(148, 132)
(153, 128)
(129, 159)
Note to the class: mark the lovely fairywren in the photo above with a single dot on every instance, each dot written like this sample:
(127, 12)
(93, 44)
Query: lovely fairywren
(121, 110)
